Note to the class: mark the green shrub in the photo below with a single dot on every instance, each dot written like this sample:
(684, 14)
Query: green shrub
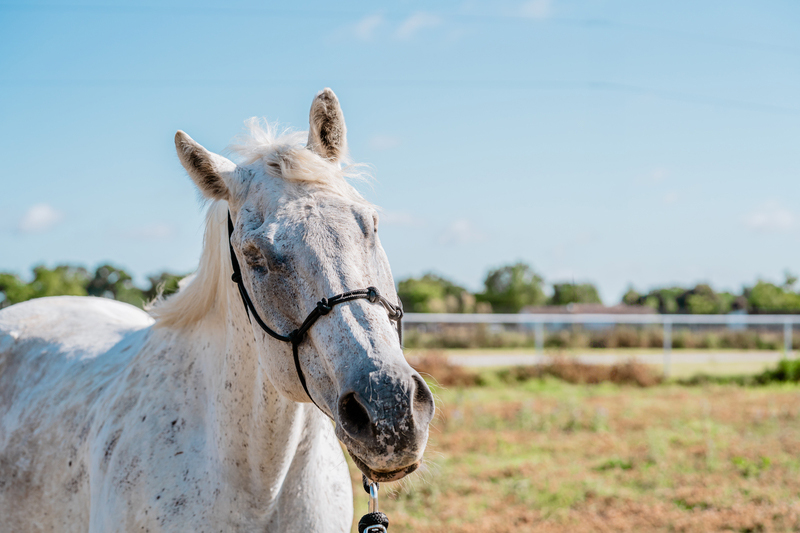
(787, 370)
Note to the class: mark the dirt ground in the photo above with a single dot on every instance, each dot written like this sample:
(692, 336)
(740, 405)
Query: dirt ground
(548, 456)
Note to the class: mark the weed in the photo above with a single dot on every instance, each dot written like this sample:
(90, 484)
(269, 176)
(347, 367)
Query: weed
(751, 468)
(612, 464)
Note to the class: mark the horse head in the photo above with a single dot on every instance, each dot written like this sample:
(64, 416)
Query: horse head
(301, 232)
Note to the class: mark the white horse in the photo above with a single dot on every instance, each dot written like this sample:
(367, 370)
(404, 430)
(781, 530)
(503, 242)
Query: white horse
(194, 418)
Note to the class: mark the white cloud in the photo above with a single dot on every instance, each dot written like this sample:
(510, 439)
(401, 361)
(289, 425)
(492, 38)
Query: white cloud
(383, 142)
(153, 232)
(401, 219)
(365, 28)
(536, 9)
(658, 175)
(416, 22)
(671, 197)
(771, 217)
(40, 218)
(462, 231)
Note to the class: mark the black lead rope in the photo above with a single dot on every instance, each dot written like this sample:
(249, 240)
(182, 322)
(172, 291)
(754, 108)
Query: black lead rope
(323, 307)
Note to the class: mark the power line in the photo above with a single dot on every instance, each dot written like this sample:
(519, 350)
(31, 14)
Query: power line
(588, 86)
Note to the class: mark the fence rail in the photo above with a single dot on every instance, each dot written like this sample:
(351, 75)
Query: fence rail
(538, 321)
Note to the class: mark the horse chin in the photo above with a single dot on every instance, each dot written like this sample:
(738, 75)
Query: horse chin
(383, 476)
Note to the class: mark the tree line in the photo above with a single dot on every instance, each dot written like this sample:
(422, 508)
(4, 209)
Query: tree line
(507, 289)
(510, 288)
(106, 281)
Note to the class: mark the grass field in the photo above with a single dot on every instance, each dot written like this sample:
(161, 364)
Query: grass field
(548, 456)
(677, 370)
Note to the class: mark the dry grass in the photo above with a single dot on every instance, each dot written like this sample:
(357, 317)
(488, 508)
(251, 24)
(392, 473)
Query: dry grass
(548, 456)
(434, 364)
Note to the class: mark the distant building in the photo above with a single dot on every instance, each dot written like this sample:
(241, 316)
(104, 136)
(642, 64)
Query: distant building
(588, 309)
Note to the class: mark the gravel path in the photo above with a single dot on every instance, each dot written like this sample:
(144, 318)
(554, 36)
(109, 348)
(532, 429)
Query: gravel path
(700, 357)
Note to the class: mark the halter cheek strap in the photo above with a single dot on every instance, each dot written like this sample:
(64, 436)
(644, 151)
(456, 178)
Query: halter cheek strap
(323, 307)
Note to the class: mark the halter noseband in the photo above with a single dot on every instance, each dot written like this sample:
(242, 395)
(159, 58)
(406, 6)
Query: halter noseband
(323, 307)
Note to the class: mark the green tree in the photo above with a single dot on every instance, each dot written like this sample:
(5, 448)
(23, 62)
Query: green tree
(791, 279)
(13, 290)
(115, 283)
(631, 297)
(767, 298)
(434, 294)
(510, 288)
(162, 284)
(702, 300)
(569, 293)
(63, 280)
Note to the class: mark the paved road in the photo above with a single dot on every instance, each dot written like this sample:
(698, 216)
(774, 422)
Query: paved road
(701, 357)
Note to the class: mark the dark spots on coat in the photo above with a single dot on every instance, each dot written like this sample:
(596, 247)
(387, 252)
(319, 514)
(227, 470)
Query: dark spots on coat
(174, 421)
(144, 417)
(111, 443)
(125, 404)
(127, 477)
(74, 483)
(178, 504)
(85, 430)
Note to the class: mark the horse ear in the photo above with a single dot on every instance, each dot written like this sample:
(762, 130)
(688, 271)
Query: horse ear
(209, 171)
(327, 134)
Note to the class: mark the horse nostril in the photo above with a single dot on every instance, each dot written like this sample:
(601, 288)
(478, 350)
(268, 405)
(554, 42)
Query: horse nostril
(423, 400)
(353, 417)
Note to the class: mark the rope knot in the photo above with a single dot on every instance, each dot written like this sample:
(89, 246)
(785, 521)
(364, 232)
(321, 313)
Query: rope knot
(373, 294)
(236, 277)
(397, 314)
(295, 337)
(324, 307)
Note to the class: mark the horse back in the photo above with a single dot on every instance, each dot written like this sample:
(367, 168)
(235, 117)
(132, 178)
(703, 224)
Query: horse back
(59, 359)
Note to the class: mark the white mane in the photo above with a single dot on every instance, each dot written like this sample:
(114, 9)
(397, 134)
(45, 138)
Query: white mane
(283, 156)
(199, 292)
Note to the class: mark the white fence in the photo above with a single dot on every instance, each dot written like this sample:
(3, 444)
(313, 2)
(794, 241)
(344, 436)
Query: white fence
(538, 321)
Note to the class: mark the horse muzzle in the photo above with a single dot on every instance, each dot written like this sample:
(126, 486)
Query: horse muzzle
(383, 421)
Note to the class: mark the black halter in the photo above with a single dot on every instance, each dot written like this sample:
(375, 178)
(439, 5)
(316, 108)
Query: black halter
(324, 307)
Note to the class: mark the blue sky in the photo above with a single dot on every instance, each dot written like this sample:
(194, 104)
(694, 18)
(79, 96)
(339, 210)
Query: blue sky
(616, 142)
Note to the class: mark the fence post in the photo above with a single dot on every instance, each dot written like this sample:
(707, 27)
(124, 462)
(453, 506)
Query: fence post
(667, 345)
(539, 337)
(787, 339)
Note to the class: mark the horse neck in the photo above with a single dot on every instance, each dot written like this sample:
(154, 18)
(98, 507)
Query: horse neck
(256, 430)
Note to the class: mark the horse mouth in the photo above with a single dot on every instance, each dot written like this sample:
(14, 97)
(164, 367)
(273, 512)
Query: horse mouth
(382, 476)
